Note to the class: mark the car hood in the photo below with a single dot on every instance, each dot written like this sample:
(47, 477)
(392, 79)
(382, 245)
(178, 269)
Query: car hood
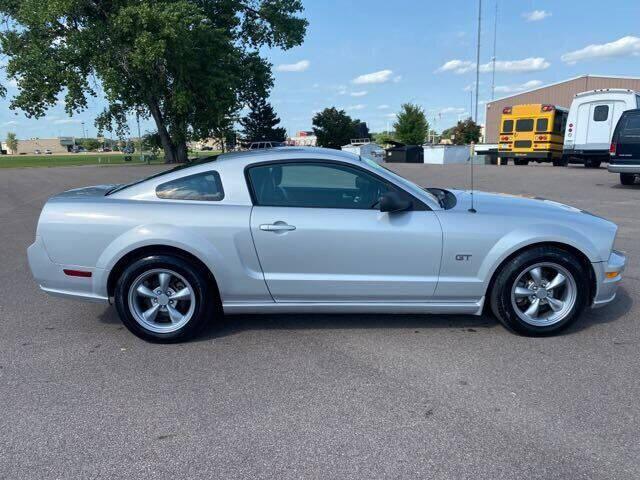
(506, 203)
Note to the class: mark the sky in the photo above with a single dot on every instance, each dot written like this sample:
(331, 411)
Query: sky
(369, 57)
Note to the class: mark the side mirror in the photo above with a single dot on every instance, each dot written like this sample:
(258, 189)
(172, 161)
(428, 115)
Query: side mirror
(392, 202)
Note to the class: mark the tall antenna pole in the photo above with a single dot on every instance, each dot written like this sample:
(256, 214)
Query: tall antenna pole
(478, 58)
(493, 59)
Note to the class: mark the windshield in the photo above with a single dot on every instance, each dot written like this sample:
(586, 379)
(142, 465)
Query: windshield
(401, 180)
(192, 163)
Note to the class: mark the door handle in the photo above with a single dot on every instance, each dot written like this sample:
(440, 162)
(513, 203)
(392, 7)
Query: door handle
(276, 227)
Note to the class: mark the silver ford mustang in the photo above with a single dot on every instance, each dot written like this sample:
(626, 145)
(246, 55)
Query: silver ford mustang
(315, 230)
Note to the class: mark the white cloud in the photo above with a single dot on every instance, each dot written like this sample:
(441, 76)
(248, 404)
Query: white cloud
(518, 88)
(457, 66)
(536, 15)
(361, 93)
(532, 64)
(446, 110)
(359, 106)
(382, 76)
(10, 123)
(397, 79)
(383, 107)
(300, 66)
(391, 115)
(622, 47)
(65, 121)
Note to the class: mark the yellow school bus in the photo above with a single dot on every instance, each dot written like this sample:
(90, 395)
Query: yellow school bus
(532, 132)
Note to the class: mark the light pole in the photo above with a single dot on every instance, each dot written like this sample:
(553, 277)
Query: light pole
(139, 137)
(478, 58)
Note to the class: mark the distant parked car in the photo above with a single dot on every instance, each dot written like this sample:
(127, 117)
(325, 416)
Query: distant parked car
(207, 148)
(592, 118)
(78, 149)
(259, 145)
(47, 151)
(625, 148)
(37, 151)
(104, 150)
(128, 150)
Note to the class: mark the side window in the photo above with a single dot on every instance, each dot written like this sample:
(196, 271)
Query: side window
(601, 113)
(507, 126)
(524, 125)
(631, 131)
(542, 125)
(204, 186)
(316, 185)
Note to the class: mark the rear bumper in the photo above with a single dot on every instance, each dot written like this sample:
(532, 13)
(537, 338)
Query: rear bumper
(624, 168)
(532, 155)
(606, 288)
(52, 279)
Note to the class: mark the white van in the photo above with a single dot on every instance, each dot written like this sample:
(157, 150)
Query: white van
(592, 118)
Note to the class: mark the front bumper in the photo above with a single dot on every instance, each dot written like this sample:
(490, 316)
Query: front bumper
(607, 285)
(52, 279)
(624, 168)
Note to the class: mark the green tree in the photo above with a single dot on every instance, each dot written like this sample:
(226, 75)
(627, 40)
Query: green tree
(384, 138)
(411, 125)
(12, 142)
(185, 63)
(90, 144)
(466, 132)
(334, 128)
(260, 123)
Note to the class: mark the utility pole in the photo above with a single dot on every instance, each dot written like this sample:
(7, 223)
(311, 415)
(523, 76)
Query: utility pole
(493, 59)
(478, 58)
(139, 137)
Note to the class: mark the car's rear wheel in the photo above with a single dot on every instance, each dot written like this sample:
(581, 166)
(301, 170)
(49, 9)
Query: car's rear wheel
(592, 163)
(627, 178)
(540, 291)
(163, 298)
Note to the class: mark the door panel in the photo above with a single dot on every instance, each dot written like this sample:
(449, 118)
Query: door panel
(347, 255)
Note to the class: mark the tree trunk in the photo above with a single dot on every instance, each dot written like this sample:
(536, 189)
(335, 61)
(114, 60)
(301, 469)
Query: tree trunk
(171, 154)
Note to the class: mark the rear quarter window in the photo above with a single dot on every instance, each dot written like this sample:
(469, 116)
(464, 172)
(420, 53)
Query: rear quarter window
(205, 186)
(542, 125)
(631, 129)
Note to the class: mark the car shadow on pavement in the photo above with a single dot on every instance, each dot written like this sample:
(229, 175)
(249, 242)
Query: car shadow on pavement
(620, 306)
(236, 324)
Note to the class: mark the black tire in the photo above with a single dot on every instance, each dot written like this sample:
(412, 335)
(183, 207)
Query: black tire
(504, 161)
(592, 163)
(627, 178)
(207, 303)
(501, 292)
(560, 162)
(521, 162)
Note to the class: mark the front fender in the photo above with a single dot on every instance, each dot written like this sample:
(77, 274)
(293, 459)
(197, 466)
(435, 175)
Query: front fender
(534, 234)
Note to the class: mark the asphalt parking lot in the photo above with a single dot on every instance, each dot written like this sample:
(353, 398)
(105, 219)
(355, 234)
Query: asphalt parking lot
(310, 396)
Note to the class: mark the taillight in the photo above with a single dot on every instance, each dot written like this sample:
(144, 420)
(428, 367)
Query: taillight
(506, 110)
(612, 148)
(548, 108)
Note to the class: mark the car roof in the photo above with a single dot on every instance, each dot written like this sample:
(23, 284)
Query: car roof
(284, 153)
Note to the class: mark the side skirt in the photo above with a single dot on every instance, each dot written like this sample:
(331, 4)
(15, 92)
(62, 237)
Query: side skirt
(444, 307)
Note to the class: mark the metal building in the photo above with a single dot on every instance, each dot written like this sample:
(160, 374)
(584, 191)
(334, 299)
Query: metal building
(560, 94)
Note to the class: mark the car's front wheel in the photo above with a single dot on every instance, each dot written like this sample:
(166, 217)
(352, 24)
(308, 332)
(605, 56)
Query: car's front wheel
(540, 291)
(163, 298)
(627, 178)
